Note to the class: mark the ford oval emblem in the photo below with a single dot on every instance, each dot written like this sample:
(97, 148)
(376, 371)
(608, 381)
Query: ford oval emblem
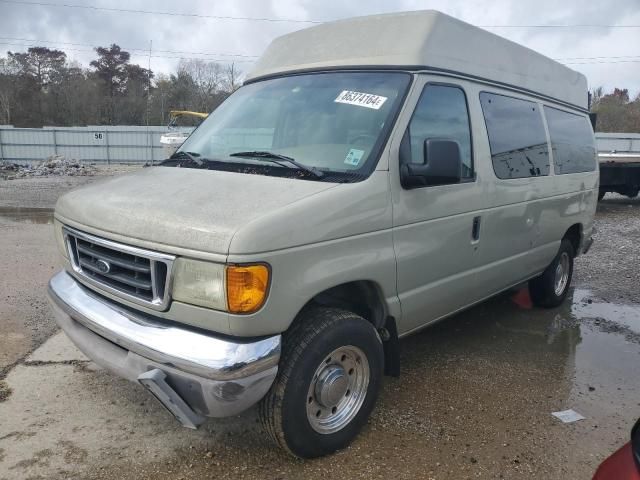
(103, 267)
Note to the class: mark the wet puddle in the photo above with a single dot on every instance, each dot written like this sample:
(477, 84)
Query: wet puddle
(521, 362)
(586, 306)
(26, 215)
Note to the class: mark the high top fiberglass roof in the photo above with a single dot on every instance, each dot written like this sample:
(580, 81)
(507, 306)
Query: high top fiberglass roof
(416, 40)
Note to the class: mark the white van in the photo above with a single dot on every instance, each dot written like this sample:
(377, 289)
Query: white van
(371, 177)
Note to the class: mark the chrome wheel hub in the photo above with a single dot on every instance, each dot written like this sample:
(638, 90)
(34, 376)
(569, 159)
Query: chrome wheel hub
(562, 274)
(338, 389)
(331, 386)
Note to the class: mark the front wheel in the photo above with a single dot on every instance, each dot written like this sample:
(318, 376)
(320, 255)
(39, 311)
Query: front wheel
(550, 289)
(330, 372)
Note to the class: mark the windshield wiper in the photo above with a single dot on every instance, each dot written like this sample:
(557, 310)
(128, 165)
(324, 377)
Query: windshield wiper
(190, 155)
(276, 157)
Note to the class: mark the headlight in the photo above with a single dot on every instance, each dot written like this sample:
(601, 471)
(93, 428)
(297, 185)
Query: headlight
(235, 288)
(199, 283)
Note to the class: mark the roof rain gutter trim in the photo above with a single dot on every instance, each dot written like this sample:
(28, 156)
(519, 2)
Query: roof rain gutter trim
(419, 68)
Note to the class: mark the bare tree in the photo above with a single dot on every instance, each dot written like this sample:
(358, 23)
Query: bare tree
(207, 77)
(231, 78)
(8, 89)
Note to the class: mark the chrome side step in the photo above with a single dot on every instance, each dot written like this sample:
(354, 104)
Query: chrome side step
(154, 381)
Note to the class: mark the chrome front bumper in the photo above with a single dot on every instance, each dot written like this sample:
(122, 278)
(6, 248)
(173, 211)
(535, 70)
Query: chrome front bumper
(215, 376)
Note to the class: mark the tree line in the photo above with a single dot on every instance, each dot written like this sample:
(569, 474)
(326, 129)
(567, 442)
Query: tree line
(616, 112)
(43, 87)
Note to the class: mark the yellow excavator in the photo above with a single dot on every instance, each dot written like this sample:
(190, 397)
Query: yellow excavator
(171, 141)
(175, 115)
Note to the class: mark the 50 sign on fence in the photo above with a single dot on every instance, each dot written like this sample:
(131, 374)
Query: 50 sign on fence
(98, 136)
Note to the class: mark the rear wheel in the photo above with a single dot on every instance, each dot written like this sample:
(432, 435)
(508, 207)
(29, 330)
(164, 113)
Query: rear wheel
(550, 289)
(330, 372)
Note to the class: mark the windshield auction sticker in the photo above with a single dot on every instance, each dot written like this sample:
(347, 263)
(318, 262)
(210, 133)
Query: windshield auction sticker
(360, 99)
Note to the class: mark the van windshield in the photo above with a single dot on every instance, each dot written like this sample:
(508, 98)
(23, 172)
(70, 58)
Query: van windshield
(321, 126)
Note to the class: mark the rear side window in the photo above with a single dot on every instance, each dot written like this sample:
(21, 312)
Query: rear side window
(516, 136)
(571, 141)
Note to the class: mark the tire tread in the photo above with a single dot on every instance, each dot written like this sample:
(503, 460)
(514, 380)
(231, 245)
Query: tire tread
(311, 323)
(541, 288)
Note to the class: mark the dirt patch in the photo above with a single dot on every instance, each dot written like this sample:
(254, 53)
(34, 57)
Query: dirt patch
(40, 458)
(55, 165)
(18, 435)
(5, 391)
(72, 453)
(42, 192)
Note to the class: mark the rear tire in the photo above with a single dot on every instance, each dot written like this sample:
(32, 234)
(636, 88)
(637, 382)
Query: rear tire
(327, 385)
(550, 289)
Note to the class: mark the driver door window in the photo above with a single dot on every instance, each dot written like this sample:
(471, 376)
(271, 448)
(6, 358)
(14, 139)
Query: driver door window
(441, 113)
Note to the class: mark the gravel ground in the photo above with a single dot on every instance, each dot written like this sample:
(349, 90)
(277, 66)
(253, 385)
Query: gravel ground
(28, 258)
(42, 192)
(474, 399)
(612, 266)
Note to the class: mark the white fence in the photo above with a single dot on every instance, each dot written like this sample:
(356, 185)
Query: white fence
(96, 144)
(133, 144)
(618, 142)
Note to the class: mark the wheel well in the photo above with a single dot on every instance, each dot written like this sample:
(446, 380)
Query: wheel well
(574, 234)
(362, 297)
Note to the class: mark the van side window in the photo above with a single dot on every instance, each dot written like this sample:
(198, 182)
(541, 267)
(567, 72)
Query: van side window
(571, 141)
(441, 113)
(516, 136)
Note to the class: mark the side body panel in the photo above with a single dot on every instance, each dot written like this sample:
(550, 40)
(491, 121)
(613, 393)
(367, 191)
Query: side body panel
(432, 232)
(527, 217)
(440, 271)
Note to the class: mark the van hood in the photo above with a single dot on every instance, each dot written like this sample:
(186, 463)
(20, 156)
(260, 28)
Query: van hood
(181, 207)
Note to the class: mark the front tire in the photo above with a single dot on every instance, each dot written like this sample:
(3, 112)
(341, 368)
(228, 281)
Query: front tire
(330, 373)
(551, 288)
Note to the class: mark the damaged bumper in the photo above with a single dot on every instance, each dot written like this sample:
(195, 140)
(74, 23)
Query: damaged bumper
(193, 374)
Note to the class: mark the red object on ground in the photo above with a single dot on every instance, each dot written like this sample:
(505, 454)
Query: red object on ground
(522, 299)
(619, 466)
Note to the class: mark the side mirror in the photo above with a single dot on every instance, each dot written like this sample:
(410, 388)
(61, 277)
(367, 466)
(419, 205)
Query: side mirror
(442, 165)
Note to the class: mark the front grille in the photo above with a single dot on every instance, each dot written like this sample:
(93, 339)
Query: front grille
(141, 276)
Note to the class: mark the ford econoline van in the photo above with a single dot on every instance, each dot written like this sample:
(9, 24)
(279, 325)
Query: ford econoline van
(371, 177)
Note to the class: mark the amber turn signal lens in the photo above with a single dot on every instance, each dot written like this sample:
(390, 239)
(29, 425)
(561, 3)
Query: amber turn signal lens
(246, 287)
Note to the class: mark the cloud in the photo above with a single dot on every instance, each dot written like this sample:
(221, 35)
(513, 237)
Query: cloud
(173, 33)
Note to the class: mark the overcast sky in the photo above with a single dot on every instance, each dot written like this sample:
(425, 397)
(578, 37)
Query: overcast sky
(86, 28)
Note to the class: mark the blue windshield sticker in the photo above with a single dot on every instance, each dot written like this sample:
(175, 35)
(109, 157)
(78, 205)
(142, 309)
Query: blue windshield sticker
(353, 157)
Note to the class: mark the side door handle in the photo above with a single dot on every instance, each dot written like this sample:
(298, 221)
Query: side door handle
(475, 229)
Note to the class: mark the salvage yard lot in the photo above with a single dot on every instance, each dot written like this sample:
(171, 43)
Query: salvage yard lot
(474, 398)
